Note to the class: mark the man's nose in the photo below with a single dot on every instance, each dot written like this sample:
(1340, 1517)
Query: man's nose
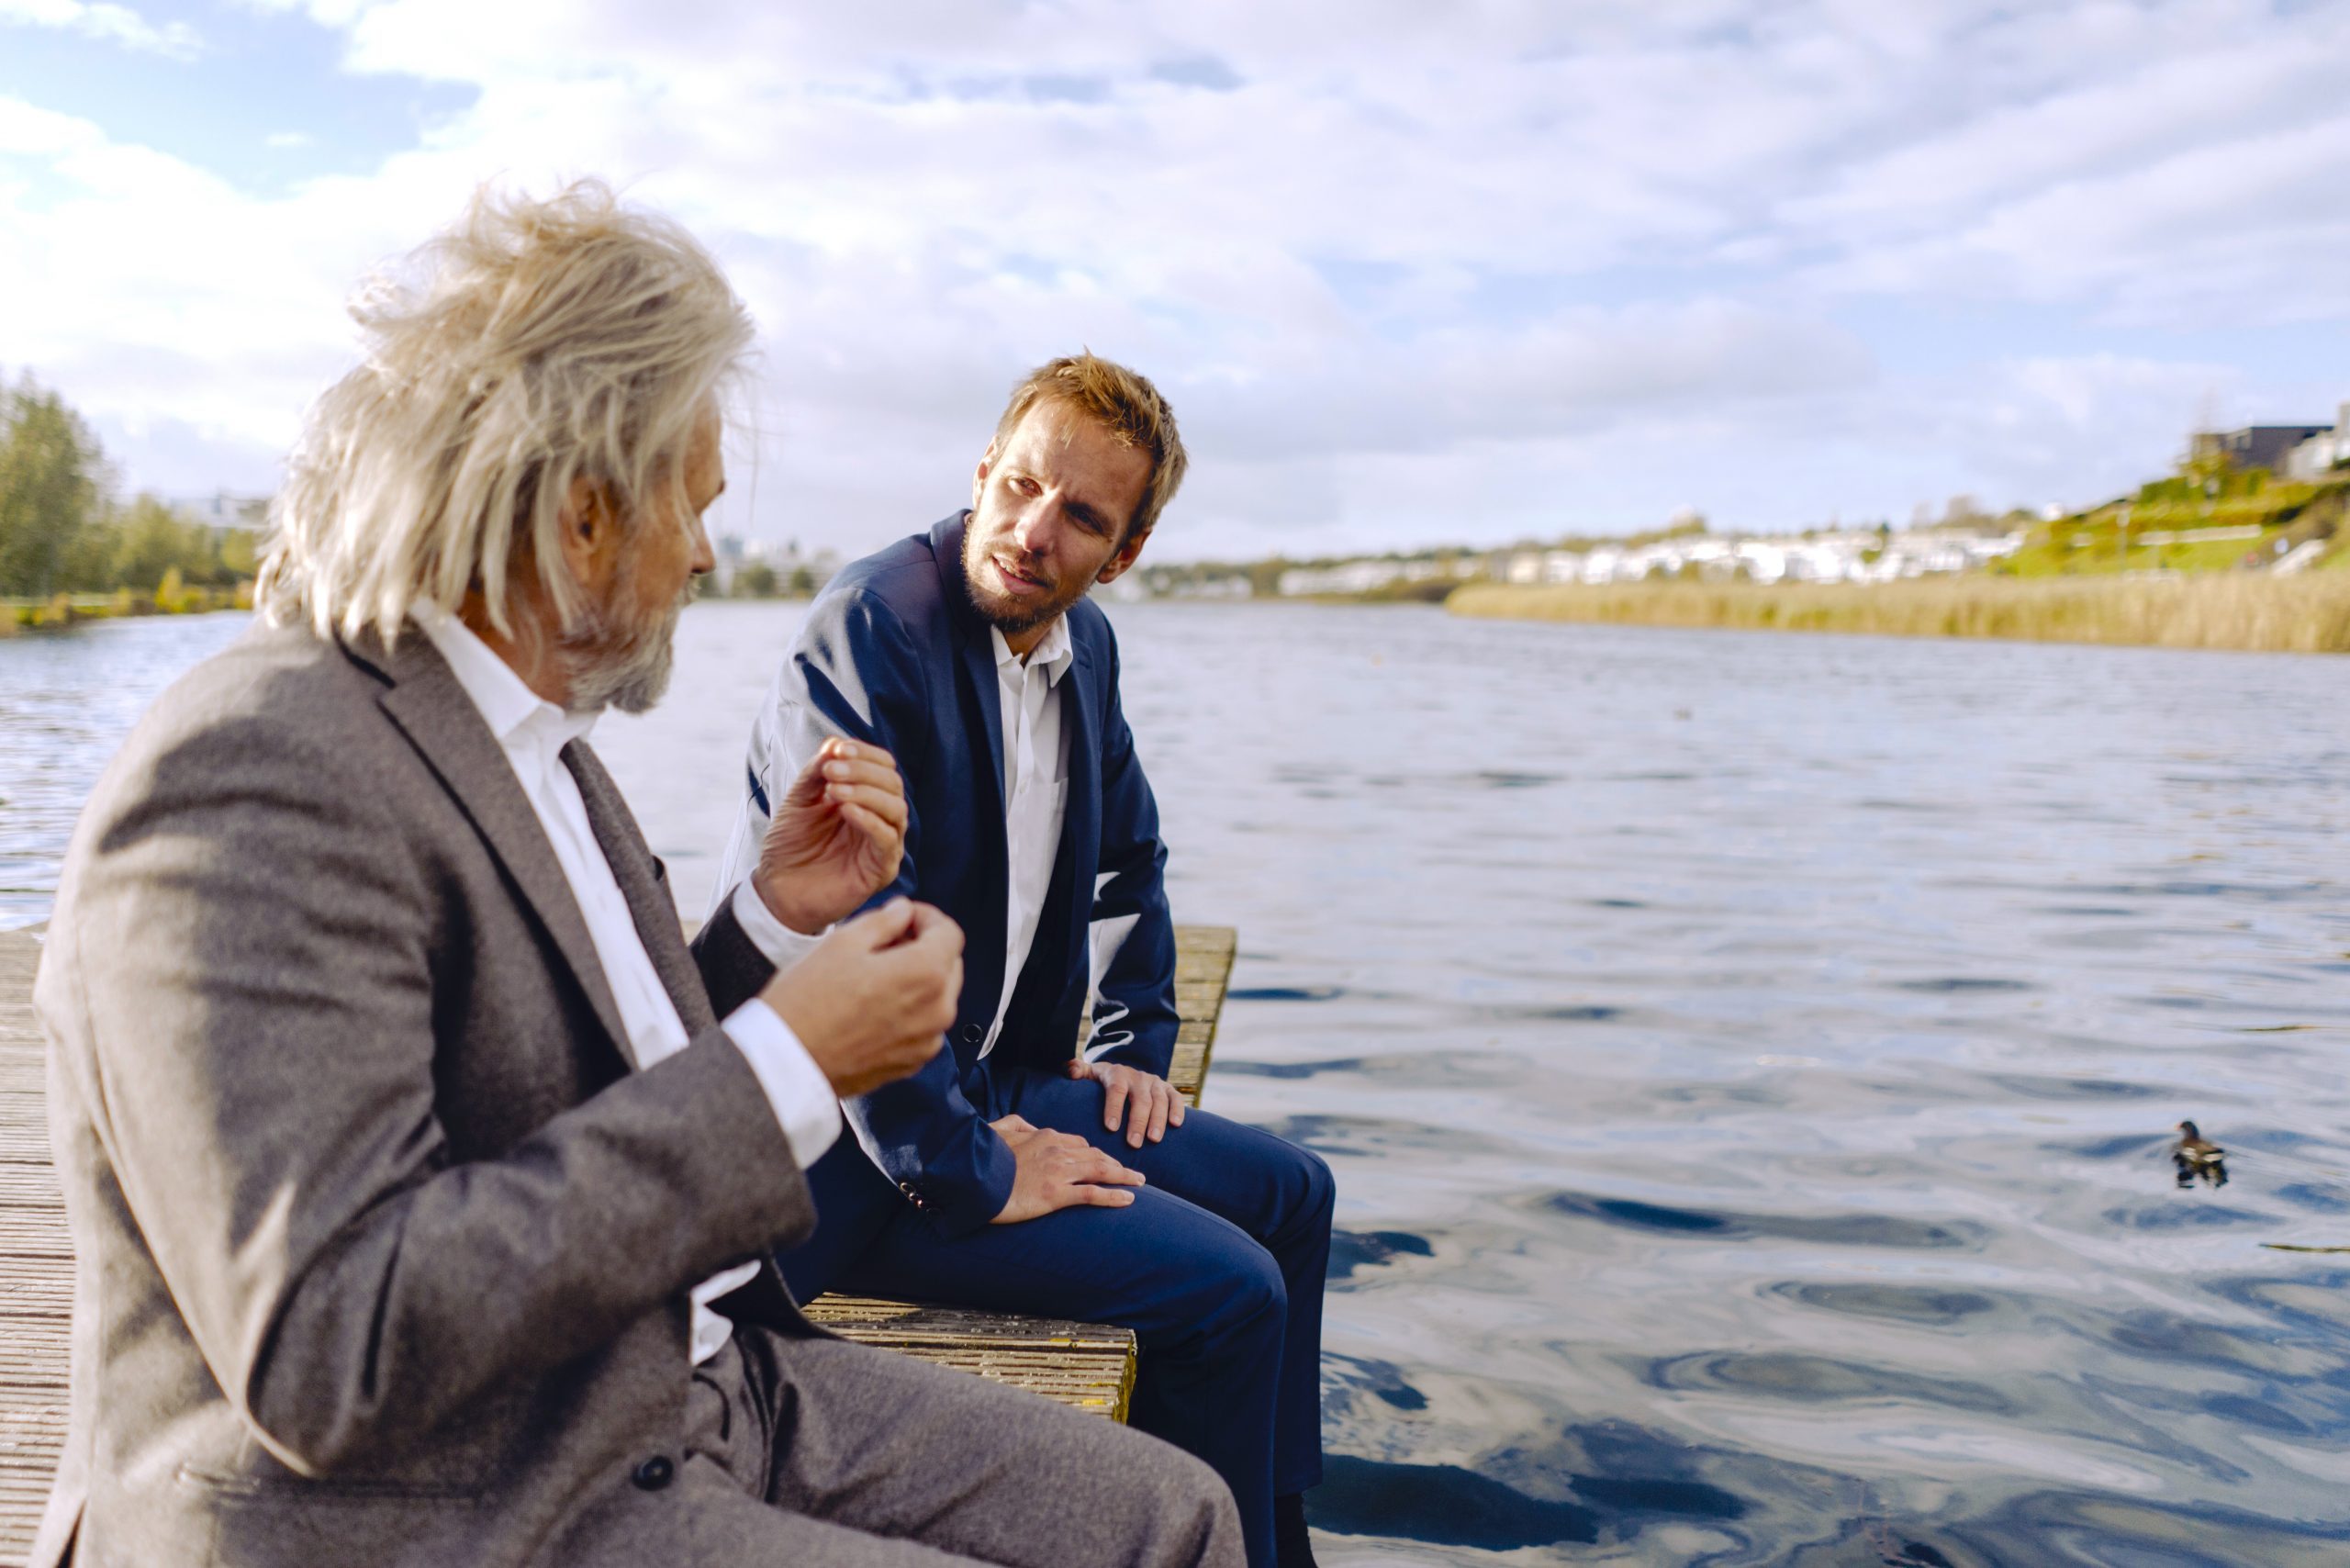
(705, 560)
(1034, 528)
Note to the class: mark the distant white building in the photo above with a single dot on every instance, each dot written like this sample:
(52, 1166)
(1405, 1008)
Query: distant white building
(1350, 577)
(787, 560)
(2317, 457)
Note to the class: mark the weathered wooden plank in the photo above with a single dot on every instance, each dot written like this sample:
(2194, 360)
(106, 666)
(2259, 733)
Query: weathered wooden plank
(32, 1347)
(1204, 956)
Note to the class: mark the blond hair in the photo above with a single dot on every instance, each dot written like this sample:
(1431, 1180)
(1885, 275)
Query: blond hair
(1122, 402)
(533, 345)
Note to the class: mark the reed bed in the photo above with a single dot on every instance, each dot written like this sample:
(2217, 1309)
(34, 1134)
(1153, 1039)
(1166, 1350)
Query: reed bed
(2308, 614)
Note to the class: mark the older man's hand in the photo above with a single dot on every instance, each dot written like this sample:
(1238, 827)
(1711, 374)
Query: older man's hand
(836, 838)
(1145, 1101)
(871, 1002)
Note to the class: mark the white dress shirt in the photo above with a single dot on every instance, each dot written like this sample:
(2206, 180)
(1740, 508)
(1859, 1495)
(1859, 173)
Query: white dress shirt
(532, 731)
(1035, 792)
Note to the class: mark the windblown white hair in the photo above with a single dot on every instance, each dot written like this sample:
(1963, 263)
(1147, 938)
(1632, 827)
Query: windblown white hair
(533, 344)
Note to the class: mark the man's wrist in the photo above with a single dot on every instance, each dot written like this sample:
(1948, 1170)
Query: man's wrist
(796, 920)
(781, 946)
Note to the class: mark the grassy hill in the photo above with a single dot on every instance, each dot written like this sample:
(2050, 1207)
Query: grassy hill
(2156, 529)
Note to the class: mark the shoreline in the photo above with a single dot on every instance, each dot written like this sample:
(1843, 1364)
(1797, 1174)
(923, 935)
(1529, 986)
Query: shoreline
(2238, 612)
(36, 617)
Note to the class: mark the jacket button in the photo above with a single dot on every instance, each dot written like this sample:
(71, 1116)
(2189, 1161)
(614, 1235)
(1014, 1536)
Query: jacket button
(654, 1474)
(972, 1034)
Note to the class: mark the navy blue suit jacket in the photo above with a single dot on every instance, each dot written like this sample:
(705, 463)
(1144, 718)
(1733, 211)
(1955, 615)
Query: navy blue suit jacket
(893, 652)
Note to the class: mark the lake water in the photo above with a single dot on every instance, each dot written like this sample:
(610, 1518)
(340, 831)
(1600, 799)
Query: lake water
(1748, 1060)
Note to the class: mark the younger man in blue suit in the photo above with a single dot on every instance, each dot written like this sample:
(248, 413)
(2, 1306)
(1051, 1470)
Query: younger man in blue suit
(1015, 1173)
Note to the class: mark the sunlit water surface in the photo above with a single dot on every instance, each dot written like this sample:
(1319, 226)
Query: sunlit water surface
(1747, 1061)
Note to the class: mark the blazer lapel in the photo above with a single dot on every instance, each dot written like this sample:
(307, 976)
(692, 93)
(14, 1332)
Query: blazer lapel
(973, 646)
(433, 709)
(649, 904)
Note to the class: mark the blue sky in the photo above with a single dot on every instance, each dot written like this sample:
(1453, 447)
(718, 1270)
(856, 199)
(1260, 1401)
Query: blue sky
(1410, 274)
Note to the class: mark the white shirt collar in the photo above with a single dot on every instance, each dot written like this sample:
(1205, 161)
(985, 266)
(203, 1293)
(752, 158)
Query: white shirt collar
(1052, 656)
(515, 713)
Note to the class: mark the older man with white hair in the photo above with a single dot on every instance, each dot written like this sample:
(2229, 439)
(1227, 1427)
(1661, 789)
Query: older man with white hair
(422, 1181)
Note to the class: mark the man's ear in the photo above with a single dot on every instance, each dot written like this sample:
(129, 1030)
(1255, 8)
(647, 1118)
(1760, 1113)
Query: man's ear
(979, 474)
(589, 531)
(1125, 556)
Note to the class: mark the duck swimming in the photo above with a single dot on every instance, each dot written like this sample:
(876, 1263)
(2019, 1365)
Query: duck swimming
(2196, 1156)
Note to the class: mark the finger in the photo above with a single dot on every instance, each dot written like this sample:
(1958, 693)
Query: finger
(1102, 1169)
(1176, 1108)
(1098, 1197)
(886, 807)
(863, 751)
(934, 925)
(1080, 1067)
(1158, 1111)
(1114, 1101)
(885, 836)
(881, 927)
(1012, 1123)
(845, 770)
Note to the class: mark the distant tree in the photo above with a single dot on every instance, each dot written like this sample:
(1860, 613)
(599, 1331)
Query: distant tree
(1265, 577)
(155, 542)
(239, 553)
(1964, 512)
(757, 581)
(52, 485)
(803, 583)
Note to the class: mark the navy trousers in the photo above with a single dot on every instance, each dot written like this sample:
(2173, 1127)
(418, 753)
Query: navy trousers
(1217, 1267)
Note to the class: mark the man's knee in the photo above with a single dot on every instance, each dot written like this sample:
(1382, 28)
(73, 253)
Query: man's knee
(1193, 1517)
(1321, 1186)
(1249, 1294)
(1308, 1191)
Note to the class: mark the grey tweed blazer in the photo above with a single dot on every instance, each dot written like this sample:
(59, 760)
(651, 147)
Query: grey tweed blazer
(381, 1249)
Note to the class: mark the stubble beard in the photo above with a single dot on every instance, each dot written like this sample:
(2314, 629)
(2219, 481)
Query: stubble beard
(1005, 615)
(616, 664)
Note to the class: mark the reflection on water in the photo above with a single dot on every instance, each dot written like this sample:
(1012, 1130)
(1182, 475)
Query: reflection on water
(1752, 1065)
(66, 701)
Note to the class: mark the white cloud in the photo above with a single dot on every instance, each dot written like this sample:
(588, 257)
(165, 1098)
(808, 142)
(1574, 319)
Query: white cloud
(109, 23)
(1408, 272)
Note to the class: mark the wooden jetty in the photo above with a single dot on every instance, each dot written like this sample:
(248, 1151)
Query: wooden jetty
(1088, 1366)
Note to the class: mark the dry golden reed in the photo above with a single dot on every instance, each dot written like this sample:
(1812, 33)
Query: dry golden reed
(2299, 614)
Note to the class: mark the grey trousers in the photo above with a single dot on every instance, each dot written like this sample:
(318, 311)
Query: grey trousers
(819, 1453)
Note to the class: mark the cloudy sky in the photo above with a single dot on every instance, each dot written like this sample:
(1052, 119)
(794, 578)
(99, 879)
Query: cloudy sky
(1411, 273)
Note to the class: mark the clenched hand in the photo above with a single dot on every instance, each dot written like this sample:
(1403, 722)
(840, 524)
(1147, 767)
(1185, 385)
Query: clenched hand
(872, 1001)
(836, 836)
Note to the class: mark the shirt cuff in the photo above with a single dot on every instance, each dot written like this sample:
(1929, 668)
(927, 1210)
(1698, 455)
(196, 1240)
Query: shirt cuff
(783, 945)
(796, 1088)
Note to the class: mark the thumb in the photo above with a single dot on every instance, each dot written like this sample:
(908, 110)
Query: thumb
(1078, 1068)
(809, 788)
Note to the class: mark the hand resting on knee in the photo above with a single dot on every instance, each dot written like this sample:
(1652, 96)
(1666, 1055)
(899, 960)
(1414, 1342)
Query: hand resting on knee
(1058, 1170)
